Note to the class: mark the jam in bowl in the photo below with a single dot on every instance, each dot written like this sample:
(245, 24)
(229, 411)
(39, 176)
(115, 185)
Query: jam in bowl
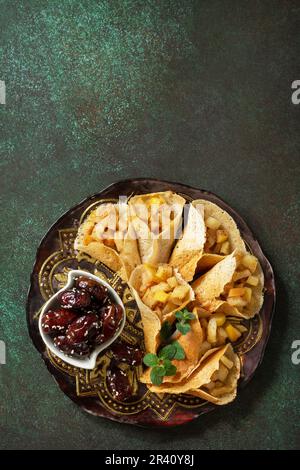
(82, 319)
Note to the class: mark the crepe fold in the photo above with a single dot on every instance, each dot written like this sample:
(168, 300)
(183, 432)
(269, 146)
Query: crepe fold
(156, 218)
(227, 223)
(214, 379)
(190, 343)
(152, 319)
(210, 288)
(107, 235)
(189, 248)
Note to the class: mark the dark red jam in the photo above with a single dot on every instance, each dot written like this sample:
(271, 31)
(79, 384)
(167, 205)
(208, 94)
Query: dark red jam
(84, 318)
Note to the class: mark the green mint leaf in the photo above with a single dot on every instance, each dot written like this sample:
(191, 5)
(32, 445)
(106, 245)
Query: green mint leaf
(180, 354)
(160, 370)
(167, 352)
(184, 328)
(189, 316)
(170, 369)
(185, 311)
(150, 360)
(179, 315)
(166, 330)
(156, 375)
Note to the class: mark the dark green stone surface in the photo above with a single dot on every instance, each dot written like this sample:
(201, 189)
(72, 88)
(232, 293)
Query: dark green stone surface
(190, 91)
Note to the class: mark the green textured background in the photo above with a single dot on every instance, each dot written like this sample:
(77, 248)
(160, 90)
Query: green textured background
(191, 91)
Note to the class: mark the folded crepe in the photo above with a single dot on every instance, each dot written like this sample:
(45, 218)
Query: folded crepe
(107, 235)
(214, 379)
(222, 388)
(191, 343)
(159, 292)
(222, 235)
(156, 217)
(189, 248)
(235, 284)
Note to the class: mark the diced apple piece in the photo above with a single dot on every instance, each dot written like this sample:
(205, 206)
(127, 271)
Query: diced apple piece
(212, 223)
(220, 340)
(147, 281)
(233, 333)
(203, 323)
(215, 376)
(212, 331)
(164, 272)
(161, 296)
(222, 236)
(250, 262)
(202, 313)
(210, 238)
(217, 248)
(181, 291)
(236, 292)
(241, 328)
(178, 294)
(240, 275)
(248, 294)
(150, 270)
(148, 299)
(225, 248)
(176, 301)
(161, 286)
(221, 335)
(172, 281)
(220, 318)
(210, 386)
(237, 301)
(227, 362)
(252, 280)
(205, 346)
(222, 373)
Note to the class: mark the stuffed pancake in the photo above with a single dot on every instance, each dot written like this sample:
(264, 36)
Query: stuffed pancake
(222, 234)
(156, 218)
(107, 235)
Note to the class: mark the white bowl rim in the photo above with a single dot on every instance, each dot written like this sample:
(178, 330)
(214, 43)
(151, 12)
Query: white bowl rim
(90, 361)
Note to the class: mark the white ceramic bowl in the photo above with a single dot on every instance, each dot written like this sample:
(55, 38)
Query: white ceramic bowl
(88, 362)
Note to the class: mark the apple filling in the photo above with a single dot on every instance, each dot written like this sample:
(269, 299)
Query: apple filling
(161, 290)
(217, 241)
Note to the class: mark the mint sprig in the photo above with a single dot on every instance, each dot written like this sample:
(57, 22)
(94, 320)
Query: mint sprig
(172, 351)
(157, 374)
(161, 364)
(184, 317)
(151, 360)
(182, 324)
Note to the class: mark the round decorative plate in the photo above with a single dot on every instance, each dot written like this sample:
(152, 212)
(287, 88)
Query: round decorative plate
(88, 388)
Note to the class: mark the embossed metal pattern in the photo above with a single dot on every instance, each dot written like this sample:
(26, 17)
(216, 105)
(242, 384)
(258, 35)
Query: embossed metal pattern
(56, 256)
